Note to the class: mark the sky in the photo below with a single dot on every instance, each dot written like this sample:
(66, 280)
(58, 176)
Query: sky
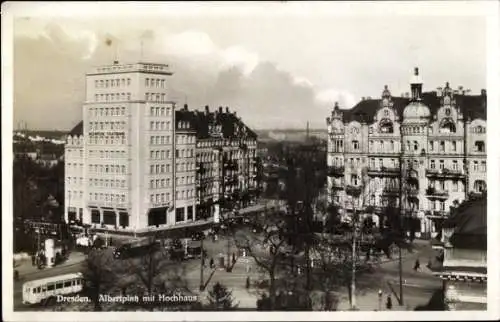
(276, 70)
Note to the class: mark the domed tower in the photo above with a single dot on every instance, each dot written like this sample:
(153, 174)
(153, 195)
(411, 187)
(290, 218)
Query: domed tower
(416, 117)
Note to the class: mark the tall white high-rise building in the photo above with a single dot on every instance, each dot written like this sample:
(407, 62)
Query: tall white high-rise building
(132, 164)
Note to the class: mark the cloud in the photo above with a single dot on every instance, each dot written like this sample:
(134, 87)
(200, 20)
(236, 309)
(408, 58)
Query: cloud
(51, 68)
(241, 58)
(329, 96)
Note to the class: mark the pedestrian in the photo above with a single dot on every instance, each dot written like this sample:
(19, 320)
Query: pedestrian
(16, 275)
(417, 265)
(388, 304)
(234, 259)
(212, 262)
(247, 284)
(33, 259)
(380, 300)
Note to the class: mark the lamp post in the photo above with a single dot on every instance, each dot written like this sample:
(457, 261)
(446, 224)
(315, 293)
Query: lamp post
(202, 264)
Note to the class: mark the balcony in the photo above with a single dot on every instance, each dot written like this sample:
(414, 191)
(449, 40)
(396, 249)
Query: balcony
(353, 190)
(383, 171)
(436, 214)
(445, 173)
(391, 191)
(336, 171)
(433, 193)
(337, 186)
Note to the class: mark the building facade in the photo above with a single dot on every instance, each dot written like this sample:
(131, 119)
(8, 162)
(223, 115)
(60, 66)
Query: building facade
(434, 143)
(131, 164)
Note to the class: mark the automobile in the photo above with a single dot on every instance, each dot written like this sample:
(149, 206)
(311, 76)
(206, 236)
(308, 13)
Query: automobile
(199, 235)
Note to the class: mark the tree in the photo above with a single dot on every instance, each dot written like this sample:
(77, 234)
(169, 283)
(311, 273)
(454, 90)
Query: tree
(100, 273)
(267, 246)
(220, 298)
(154, 273)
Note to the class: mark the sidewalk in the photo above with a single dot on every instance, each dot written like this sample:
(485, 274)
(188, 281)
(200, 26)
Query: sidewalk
(235, 281)
(25, 267)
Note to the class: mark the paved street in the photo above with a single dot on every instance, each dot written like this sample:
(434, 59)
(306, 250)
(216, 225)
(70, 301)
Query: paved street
(418, 286)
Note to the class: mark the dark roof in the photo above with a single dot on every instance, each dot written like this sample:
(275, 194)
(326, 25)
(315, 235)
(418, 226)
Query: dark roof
(77, 130)
(470, 224)
(473, 106)
(201, 122)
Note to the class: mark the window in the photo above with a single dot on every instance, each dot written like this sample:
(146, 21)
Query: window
(479, 146)
(386, 126)
(415, 146)
(483, 166)
(179, 214)
(441, 146)
(455, 165)
(354, 179)
(475, 166)
(479, 186)
(441, 164)
(454, 146)
(455, 185)
(355, 145)
(447, 126)
(50, 287)
(431, 145)
(147, 81)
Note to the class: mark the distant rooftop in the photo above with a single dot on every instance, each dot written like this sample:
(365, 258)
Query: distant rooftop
(472, 106)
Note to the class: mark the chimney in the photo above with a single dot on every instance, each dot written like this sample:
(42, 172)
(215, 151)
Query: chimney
(362, 98)
(234, 113)
(461, 90)
(439, 91)
(185, 107)
(368, 97)
(227, 110)
(455, 92)
(206, 109)
(483, 92)
(115, 62)
(220, 109)
(467, 91)
(407, 95)
(336, 105)
(328, 120)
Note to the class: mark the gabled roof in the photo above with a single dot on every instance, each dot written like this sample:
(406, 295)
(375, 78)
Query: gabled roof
(77, 130)
(201, 122)
(473, 106)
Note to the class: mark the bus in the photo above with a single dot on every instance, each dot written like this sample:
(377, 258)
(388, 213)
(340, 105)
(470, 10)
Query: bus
(44, 291)
(135, 248)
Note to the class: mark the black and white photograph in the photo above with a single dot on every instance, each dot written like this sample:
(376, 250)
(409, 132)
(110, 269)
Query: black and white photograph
(250, 160)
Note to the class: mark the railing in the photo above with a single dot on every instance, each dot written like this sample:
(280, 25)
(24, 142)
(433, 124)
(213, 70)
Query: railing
(334, 171)
(447, 173)
(433, 192)
(353, 190)
(337, 186)
(391, 191)
(383, 171)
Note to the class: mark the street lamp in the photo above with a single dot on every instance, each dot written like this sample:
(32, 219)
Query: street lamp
(202, 263)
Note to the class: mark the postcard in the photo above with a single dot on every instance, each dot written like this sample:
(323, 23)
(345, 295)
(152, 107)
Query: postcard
(250, 161)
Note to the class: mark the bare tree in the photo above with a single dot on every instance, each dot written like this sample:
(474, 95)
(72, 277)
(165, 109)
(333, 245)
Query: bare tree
(100, 273)
(266, 243)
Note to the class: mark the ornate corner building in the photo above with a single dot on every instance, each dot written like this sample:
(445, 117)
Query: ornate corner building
(137, 163)
(425, 151)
